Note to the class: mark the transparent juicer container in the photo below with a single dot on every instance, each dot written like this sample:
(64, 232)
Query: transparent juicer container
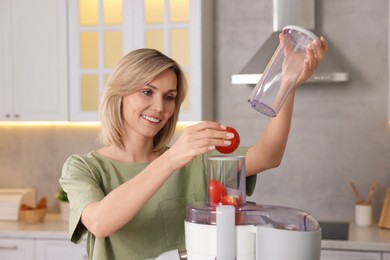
(226, 180)
(282, 71)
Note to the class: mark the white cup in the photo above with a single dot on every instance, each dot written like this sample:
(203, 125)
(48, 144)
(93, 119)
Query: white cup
(363, 215)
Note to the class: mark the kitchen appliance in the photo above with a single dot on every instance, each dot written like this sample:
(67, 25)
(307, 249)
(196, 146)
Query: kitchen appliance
(240, 230)
(252, 232)
(333, 230)
(300, 13)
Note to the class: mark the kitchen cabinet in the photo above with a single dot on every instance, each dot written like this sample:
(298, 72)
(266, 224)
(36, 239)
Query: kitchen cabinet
(41, 241)
(101, 33)
(349, 255)
(59, 250)
(16, 249)
(385, 256)
(41, 249)
(40, 80)
(33, 63)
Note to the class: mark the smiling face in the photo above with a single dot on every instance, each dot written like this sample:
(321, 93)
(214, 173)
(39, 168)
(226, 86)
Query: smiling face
(146, 111)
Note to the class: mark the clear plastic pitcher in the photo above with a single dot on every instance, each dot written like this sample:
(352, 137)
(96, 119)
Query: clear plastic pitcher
(282, 71)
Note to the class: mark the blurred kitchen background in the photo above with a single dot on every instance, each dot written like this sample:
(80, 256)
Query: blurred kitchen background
(340, 131)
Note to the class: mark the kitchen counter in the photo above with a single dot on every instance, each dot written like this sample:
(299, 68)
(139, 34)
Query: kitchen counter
(359, 238)
(362, 239)
(52, 228)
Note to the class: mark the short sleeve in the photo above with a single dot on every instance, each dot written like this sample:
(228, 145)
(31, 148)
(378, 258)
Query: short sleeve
(250, 184)
(82, 188)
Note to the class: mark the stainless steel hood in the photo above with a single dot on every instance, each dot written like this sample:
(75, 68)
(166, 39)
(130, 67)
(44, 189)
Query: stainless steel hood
(290, 12)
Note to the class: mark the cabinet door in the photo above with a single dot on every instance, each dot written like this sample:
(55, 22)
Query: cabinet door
(38, 63)
(181, 29)
(59, 250)
(101, 33)
(96, 45)
(16, 249)
(5, 60)
(385, 256)
(349, 255)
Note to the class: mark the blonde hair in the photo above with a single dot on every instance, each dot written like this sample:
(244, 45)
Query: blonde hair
(133, 72)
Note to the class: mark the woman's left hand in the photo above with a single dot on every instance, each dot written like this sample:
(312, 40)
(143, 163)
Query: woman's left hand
(315, 53)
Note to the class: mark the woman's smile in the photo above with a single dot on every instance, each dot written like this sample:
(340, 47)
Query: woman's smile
(151, 119)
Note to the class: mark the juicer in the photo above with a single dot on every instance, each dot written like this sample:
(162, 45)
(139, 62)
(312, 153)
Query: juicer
(227, 227)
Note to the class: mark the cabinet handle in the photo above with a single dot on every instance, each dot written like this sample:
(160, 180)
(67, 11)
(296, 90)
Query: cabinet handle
(16, 115)
(10, 247)
(7, 115)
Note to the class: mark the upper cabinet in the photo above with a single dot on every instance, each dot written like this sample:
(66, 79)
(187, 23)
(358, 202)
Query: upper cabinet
(102, 31)
(56, 55)
(96, 30)
(33, 63)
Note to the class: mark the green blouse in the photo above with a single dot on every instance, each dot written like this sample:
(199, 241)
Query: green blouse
(159, 225)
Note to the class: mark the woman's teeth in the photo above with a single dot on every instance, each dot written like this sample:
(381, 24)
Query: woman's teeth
(154, 120)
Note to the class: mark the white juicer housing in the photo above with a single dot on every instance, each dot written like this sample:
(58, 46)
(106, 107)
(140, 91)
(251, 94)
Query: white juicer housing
(252, 232)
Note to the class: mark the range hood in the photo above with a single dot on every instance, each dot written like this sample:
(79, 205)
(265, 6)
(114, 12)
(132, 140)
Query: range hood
(290, 12)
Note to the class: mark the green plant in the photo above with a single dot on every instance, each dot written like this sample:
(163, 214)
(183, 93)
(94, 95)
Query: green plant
(61, 195)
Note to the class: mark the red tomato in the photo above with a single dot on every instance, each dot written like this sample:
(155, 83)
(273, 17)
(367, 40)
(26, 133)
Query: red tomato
(230, 200)
(216, 191)
(235, 142)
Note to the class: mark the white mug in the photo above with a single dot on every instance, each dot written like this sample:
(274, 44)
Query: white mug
(363, 215)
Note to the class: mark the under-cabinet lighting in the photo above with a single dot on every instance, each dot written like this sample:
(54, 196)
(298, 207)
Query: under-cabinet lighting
(180, 124)
(48, 123)
(185, 124)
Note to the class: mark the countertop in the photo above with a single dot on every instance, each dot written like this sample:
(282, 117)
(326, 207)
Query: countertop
(52, 228)
(370, 238)
(360, 238)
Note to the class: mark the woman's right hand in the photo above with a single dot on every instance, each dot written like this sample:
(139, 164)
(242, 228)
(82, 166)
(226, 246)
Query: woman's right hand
(196, 140)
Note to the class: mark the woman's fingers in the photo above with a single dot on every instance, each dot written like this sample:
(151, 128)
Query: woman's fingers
(199, 139)
(210, 134)
(319, 48)
(207, 125)
(324, 44)
(315, 52)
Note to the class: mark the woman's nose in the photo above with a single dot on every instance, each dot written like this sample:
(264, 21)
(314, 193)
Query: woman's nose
(158, 104)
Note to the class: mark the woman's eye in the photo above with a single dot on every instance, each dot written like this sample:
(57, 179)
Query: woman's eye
(147, 92)
(170, 98)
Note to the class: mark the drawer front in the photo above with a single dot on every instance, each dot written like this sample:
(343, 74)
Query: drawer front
(60, 250)
(16, 249)
(349, 255)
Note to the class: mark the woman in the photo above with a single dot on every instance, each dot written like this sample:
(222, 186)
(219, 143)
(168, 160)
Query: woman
(129, 196)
